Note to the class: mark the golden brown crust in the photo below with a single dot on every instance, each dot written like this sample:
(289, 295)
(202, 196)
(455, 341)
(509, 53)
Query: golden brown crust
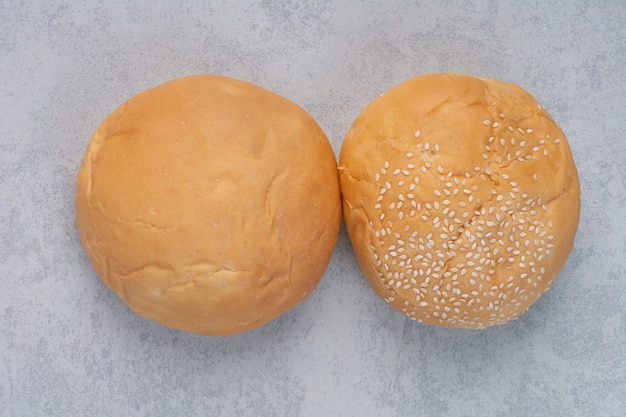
(209, 204)
(461, 199)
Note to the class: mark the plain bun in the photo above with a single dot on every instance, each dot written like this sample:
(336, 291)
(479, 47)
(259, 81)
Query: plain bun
(461, 199)
(208, 204)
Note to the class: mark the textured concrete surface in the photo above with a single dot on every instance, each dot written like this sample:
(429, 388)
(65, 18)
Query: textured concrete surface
(69, 346)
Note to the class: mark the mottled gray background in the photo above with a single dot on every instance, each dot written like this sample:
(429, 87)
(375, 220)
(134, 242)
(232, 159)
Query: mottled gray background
(69, 347)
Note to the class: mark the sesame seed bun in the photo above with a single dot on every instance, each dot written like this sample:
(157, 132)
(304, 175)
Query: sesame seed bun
(208, 204)
(461, 199)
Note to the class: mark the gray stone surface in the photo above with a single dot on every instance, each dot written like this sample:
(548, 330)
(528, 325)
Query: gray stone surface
(70, 347)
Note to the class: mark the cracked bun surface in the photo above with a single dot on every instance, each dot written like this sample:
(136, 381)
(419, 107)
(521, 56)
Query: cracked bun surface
(208, 204)
(461, 199)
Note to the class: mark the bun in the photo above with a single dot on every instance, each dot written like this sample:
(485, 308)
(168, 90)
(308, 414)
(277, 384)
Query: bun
(208, 204)
(461, 199)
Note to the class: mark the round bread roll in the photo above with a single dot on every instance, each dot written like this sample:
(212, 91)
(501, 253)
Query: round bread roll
(461, 199)
(208, 204)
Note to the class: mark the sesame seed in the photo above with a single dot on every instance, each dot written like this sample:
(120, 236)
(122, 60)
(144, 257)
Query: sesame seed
(486, 122)
(417, 133)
